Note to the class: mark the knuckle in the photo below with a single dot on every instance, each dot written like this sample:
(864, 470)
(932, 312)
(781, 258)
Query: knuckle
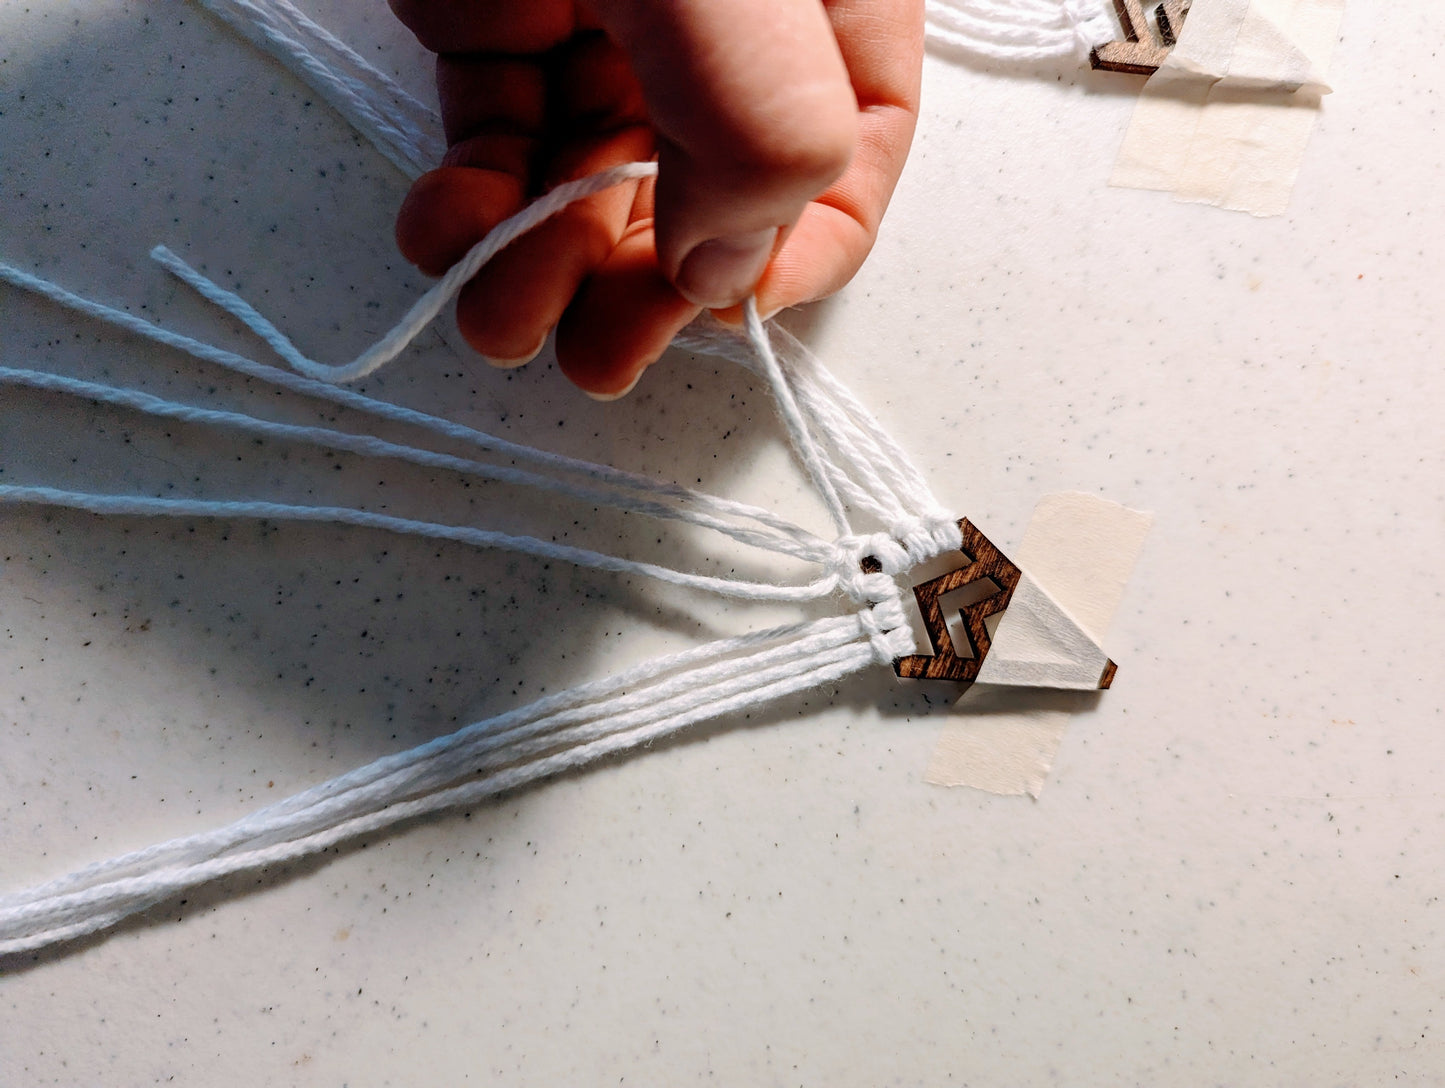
(805, 146)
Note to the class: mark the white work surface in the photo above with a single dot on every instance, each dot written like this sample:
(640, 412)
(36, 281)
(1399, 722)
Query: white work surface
(1234, 874)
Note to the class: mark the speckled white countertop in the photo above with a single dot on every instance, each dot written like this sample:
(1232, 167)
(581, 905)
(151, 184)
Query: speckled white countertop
(1234, 875)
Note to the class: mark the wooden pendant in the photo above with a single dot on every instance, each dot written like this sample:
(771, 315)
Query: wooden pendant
(1145, 45)
(985, 562)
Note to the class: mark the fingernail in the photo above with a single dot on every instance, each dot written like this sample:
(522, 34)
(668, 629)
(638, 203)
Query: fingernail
(606, 397)
(511, 364)
(723, 271)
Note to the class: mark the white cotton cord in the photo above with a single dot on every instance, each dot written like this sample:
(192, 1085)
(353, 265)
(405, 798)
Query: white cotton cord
(822, 387)
(681, 695)
(526, 720)
(405, 130)
(500, 742)
(840, 447)
(146, 506)
(815, 550)
(348, 398)
(918, 527)
(505, 755)
(973, 21)
(1093, 22)
(707, 336)
(827, 423)
(426, 308)
(849, 445)
(922, 526)
(1019, 30)
(1009, 30)
(827, 478)
(803, 442)
(846, 428)
(401, 771)
(857, 496)
(40, 922)
(95, 899)
(852, 433)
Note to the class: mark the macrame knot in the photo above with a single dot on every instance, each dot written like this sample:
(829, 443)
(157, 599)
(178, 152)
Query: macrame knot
(887, 630)
(889, 556)
(873, 583)
(871, 588)
(923, 538)
(1089, 23)
(909, 542)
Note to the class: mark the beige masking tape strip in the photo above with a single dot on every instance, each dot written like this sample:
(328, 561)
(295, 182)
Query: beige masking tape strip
(1079, 549)
(1226, 118)
(1007, 743)
(1082, 549)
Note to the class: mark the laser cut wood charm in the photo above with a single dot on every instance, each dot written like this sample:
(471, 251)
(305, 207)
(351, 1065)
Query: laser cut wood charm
(1146, 43)
(985, 562)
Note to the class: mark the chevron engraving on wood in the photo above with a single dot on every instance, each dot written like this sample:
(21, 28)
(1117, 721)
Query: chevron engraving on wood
(1145, 44)
(985, 562)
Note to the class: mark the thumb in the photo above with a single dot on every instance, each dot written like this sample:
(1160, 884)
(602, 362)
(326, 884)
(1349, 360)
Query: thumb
(755, 116)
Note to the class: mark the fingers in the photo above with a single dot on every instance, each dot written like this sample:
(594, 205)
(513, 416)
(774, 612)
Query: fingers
(520, 125)
(626, 313)
(487, 26)
(493, 110)
(755, 116)
(596, 118)
(623, 318)
(773, 119)
(449, 210)
(507, 309)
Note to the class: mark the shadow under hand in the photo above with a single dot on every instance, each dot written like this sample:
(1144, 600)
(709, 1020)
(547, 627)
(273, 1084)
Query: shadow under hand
(189, 670)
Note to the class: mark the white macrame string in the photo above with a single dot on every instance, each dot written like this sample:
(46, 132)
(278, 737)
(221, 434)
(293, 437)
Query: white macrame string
(563, 732)
(834, 420)
(404, 787)
(624, 482)
(1019, 30)
(406, 131)
(848, 455)
(799, 543)
(430, 304)
(408, 772)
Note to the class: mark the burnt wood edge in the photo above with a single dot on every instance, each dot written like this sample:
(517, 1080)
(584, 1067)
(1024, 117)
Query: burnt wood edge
(985, 561)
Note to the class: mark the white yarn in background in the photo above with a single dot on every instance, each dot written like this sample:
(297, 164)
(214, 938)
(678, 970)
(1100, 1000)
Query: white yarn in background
(406, 131)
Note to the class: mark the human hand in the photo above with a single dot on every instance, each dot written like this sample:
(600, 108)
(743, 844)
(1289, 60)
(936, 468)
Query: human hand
(780, 128)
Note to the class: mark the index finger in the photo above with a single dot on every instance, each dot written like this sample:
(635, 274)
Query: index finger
(488, 26)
